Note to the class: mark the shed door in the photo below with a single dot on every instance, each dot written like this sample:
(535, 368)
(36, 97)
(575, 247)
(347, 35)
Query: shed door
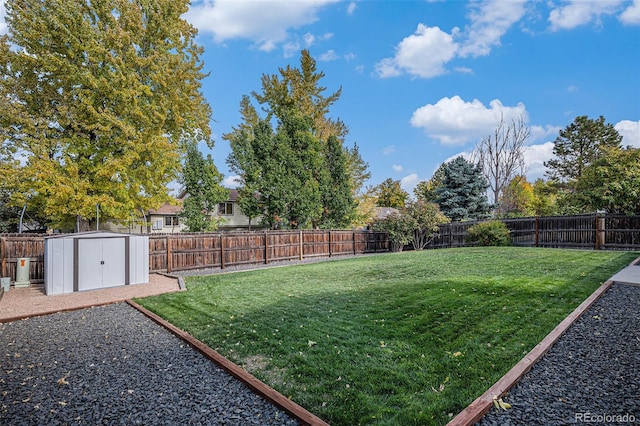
(101, 263)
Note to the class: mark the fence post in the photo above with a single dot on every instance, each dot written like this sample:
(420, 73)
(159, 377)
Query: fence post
(329, 243)
(354, 243)
(221, 251)
(266, 247)
(301, 245)
(168, 254)
(450, 236)
(537, 229)
(600, 235)
(3, 250)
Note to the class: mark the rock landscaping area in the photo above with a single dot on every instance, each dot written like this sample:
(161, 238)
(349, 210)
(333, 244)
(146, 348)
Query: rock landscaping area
(113, 365)
(590, 375)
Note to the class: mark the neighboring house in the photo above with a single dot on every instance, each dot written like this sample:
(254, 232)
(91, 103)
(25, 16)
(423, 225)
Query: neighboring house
(166, 219)
(233, 217)
(381, 213)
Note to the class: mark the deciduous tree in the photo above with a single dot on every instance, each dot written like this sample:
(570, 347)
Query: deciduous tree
(427, 216)
(611, 183)
(98, 95)
(201, 181)
(425, 190)
(501, 155)
(390, 194)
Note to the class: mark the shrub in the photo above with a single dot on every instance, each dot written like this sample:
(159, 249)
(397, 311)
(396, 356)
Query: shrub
(399, 227)
(491, 233)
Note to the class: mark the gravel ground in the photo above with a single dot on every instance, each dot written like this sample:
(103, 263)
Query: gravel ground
(112, 365)
(590, 375)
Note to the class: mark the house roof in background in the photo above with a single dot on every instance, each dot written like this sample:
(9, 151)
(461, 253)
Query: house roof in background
(168, 209)
(383, 212)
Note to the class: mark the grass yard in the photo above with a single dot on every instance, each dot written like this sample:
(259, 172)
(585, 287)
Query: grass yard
(405, 338)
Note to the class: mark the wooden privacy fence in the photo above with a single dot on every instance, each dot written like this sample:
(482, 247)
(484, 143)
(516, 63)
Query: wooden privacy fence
(16, 246)
(590, 231)
(181, 252)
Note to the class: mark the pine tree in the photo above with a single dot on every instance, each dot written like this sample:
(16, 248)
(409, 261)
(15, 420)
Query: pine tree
(462, 193)
(580, 144)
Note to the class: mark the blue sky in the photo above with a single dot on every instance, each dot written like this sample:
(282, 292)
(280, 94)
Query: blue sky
(423, 81)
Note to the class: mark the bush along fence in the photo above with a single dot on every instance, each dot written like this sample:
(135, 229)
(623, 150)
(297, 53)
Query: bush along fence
(182, 252)
(589, 231)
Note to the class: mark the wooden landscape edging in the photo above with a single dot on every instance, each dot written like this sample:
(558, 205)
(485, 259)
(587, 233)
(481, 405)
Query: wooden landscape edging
(302, 415)
(478, 408)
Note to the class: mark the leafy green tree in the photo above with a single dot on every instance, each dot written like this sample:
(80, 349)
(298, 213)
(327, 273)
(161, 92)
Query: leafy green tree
(427, 216)
(99, 95)
(339, 204)
(201, 181)
(289, 157)
(425, 190)
(390, 194)
(516, 199)
(399, 227)
(462, 194)
(357, 169)
(611, 183)
(580, 144)
(545, 198)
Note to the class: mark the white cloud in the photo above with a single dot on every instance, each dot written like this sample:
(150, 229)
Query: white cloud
(580, 12)
(539, 133)
(409, 182)
(397, 168)
(534, 158)
(264, 22)
(389, 150)
(572, 88)
(351, 8)
(290, 49)
(452, 121)
(490, 20)
(329, 55)
(631, 15)
(426, 52)
(422, 54)
(630, 132)
(231, 182)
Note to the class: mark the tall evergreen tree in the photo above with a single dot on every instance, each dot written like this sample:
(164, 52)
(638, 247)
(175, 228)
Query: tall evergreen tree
(338, 201)
(100, 93)
(462, 194)
(286, 164)
(580, 144)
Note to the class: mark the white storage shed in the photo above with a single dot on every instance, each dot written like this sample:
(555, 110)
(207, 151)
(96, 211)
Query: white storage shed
(93, 260)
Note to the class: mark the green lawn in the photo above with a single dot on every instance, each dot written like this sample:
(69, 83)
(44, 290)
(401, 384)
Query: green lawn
(406, 338)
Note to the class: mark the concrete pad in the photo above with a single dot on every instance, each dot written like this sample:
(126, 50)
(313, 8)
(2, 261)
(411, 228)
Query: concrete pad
(629, 275)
